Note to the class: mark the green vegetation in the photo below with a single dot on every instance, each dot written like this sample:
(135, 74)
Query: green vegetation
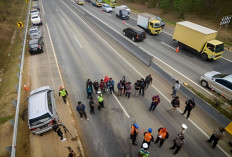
(4, 119)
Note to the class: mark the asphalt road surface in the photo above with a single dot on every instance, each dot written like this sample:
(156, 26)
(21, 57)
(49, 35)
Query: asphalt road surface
(84, 51)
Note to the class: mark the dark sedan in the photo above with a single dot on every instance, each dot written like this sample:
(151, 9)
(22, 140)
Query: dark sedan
(35, 46)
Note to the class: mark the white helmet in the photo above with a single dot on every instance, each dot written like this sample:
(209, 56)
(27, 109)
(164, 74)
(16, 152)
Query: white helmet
(145, 145)
(184, 126)
(98, 92)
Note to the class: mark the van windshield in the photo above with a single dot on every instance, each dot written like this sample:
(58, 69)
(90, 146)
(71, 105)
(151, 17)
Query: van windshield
(220, 75)
(219, 48)
(125, 12)
(40, 119)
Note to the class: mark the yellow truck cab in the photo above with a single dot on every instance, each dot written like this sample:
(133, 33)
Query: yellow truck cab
(198, 38)
(97, 3)
(113, 3)
(149, 23)
(80, 2)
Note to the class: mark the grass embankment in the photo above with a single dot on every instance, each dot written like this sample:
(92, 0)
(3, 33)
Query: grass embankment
(11, 11)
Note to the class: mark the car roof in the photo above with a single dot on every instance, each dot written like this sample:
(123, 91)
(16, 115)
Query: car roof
(34, 10)
(137, 29)
(34, 27)
(33, 41)
(228, 78)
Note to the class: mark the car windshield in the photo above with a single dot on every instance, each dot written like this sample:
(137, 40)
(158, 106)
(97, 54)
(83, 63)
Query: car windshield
(124, 12)
(157, 25)
(40, 119)
(33, 31)
(107, 6)
(34, 11)
(35, 17)
(34, 46)
(158, 18)
(220, 75)
(219, 48)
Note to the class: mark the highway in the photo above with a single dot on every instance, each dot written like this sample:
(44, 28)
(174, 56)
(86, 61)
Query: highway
(84, 51)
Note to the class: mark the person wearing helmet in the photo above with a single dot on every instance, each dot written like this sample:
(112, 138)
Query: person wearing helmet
(143, 151)
(190, 104)
(183, 129)
(148, 138)
(63, 92)
(100, 101)
(162, 136)
(178, 142)
(134, 133)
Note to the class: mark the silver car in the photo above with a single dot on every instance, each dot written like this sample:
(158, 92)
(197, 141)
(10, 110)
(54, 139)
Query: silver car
(221, 83)
(35, 32)
(41, 110)
(107, 8)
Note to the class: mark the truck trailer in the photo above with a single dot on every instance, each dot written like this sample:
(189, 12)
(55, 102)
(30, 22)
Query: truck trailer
(149, 23)
(199, 38)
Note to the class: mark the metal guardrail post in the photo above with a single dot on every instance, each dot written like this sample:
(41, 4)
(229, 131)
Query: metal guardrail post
(19, 89)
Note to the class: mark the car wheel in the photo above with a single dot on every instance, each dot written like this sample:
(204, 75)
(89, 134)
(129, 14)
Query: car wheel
(204, 83)
(204, 56)
(116, 15)
(133, 39)
(124, 33)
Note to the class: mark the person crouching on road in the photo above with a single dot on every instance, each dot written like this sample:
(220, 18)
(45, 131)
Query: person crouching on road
(217, 135)
(154, 103)
(81, 109)
(100, 101)
(178, 142)
(134, 133)
(175, 103)
(63, 92)
(162, 136)
(148, 138)
(56, 128)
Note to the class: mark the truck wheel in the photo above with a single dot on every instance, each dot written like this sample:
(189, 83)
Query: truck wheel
(204, 56)
(204, 83)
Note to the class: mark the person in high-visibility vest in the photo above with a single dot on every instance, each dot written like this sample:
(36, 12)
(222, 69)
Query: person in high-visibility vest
(148, 138)
(63, 92)
(134, 133)
(143, 151)
(100, 101)
(162, 136)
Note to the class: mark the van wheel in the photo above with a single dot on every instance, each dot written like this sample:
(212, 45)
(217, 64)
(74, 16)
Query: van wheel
(133, 39)
(204, 83)
(204, 56)
(116, 15)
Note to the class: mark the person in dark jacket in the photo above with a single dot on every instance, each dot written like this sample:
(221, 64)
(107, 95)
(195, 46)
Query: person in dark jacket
(148, 81)
(81, 109)
(162, 136)
(190, 104)
(178, 143)
(154, 103)
(136, 87)
(89, 91)
(175, 103)
(89, 83)
(217, 135)
(95, 86)
(56, 128)
(91, 105)
(110, 84)
(142, 86)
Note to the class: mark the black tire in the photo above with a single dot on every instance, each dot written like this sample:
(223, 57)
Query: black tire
(204, 83)
(204, 56)
(181, 46)
(117, 15)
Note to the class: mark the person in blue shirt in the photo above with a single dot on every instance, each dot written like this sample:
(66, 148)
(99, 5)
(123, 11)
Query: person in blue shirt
(81, 109)
(110, 84)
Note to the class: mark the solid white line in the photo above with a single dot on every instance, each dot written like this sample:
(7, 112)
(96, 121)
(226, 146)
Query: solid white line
(226, 59)
(57, 10)
(128, 24)
(168, 45)
(133, 18)
(128, 116)
(167, 33)
(42, 7)
(134, 70)
(106, 13)
(77, 41)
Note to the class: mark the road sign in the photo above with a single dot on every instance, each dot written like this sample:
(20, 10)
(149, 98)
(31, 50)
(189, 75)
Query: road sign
(20, 24)
(226, 20)
(27, 1)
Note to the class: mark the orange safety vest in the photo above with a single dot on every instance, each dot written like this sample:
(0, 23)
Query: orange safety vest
(161, 134)
(133, 130)
(147, 137)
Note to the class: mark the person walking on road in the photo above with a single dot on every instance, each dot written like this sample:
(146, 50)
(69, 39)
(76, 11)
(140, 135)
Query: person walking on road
(142, 86)
(119, 86)
(56, 128)
(89, 91)
(190, 104)
(175, 103)
(88, 83)
(91, 105)
(217, 135)
(100, 101)
(175, 88)
(148, 138)
(110, 84)
(128, 89)
(136, 88)
(95, 86)
(134, 133)
(143, 151)
(148, 81)
(154, 103)
(162, 136)
(102, 86)
(178, 143)
(81, 109)
(63, 92)
(124, 83)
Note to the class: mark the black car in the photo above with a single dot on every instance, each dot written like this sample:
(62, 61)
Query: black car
(136, 34)
(35, 46)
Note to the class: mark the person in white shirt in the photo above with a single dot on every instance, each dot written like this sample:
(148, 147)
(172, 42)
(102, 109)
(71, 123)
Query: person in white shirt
(175, 88)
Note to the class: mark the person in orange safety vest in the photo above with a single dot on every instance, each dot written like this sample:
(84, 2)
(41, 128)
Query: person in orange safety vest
(134, 133)
(148, 138)
(162, 136)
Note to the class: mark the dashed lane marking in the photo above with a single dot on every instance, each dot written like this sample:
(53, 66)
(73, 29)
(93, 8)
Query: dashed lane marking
(77, 41)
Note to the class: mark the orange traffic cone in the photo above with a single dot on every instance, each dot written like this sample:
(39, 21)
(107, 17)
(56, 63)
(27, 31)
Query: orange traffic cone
(26, 88)
(123, 22)
(177, 49)
(101, 10)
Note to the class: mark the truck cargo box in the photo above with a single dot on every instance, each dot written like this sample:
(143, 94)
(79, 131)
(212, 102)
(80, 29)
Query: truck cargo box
(143, 19)
(193, 35)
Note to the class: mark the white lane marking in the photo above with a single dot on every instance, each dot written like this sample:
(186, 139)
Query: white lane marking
(57, 10)
(227, 59)
(128, 116)
(64, 20)
(168, 45)
(77, 41)
(42, 7)
(106, 13)
(138, 73)
(133, 18)
(167, 33)
(128, 24)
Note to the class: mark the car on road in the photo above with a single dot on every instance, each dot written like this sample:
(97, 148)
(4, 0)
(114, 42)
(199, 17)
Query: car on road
(135, 33)
(35, 46)
(107, 8)
(221, 83)
(35, 32)
(36, 20)
(34, 12)
(126, 7)
(41, 110)
(36, 7)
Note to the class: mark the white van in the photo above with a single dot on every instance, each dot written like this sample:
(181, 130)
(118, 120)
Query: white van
(41, 110)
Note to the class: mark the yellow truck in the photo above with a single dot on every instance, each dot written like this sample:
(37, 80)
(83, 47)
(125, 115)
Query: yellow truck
(96, 3)
(149, 23)
(113, 3)
(199, 38)
(80, 2)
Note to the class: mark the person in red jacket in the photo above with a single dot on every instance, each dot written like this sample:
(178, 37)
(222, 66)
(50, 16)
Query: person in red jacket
(154, 103)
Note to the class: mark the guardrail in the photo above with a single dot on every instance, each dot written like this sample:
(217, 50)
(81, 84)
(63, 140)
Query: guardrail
(13, 147)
